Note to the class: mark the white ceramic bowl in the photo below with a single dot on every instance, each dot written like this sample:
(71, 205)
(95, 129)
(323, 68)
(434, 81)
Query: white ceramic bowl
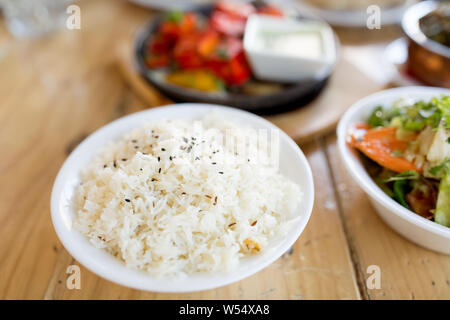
(293, 164)
(270, 65)
(410, 225)
(356, 18)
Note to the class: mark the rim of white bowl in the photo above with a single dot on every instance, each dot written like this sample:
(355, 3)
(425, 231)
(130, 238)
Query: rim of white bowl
(134, 278)
(357, 171)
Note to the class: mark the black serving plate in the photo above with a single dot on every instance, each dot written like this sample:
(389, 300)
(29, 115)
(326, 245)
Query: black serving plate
(291, 96)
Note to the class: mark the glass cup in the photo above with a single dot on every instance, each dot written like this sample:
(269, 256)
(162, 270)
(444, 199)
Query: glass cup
(25, 18)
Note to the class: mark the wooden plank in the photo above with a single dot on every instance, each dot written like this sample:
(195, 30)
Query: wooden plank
(48, 116)
(51, 99)
(70, 86)
(407, 270)
(317, 268)
(322, 114)
(36, 154)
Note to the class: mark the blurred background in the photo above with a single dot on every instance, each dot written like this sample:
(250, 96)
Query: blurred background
(69, 67)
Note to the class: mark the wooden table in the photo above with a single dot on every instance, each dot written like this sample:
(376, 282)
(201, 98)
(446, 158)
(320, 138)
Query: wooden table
(56, 90)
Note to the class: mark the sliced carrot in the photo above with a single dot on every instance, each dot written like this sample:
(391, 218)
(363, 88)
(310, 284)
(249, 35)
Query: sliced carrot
(380, 144)
(361, 126)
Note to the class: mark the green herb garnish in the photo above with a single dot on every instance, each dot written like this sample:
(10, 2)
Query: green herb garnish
(401, 189)
(376, 118)
(434, 113)
(436, 169)
(407, 175)
(222, 53)
(397, 153)
(174, 16)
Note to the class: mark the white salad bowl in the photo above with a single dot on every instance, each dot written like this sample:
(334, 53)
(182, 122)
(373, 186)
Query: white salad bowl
(410, 225)
(292, 164)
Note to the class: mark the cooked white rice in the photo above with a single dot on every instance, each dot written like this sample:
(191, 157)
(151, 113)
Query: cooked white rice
(172, 198)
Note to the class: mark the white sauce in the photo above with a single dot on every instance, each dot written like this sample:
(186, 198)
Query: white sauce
(304, 44)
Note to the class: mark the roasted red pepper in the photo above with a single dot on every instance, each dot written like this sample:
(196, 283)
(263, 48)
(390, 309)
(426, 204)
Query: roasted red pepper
(208, 43)
(185, 52)
(271, 11)
(234, 70)
(181, 24)
(157, 61)
(226, 24)
(235, 9)
(215, 47)
(161, 45)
